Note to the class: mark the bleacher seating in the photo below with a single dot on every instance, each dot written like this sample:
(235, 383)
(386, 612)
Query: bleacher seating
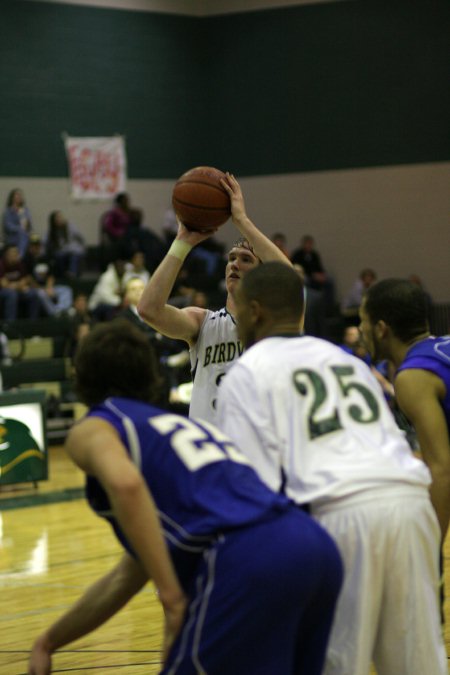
(39, 351)
(23, 334)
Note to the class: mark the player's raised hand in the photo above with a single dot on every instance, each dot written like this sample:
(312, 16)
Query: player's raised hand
(233, 188)
(193, 237)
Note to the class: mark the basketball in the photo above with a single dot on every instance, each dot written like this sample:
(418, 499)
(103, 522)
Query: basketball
(199, 200)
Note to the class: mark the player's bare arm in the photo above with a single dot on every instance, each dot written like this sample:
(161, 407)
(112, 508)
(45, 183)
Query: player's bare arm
(264, 248)
(153, 307)
(426, 415)
(101, 601)
(95, 446)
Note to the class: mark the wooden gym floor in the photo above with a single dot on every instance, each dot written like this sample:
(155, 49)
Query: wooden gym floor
(51, 548)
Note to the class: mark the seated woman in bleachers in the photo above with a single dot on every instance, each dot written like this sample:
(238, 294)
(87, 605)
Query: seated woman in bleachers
(16, 287)
(64, 246)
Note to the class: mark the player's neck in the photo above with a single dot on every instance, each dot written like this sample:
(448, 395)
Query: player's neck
(418, 338)
(404, 347)
(280, 329)
(230, 306)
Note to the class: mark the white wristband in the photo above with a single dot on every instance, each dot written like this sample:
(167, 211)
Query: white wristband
(179, 249)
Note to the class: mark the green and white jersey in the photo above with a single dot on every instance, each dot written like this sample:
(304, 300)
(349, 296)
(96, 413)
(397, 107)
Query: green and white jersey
(216, 349)
(314, 422)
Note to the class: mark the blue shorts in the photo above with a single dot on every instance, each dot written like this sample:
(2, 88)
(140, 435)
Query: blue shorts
(262, 601)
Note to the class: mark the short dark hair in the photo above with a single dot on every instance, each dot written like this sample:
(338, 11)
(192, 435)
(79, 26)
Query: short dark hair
(368, 272)
(116, 359)
(401, 304)
(276, 286)
(121, 198)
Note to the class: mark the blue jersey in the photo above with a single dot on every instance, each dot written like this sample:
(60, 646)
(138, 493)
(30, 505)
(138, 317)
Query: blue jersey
(433, 354)
(201, 484)
(241, 552)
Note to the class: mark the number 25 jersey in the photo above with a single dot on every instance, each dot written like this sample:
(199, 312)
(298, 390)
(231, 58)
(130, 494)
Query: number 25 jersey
(313, 421)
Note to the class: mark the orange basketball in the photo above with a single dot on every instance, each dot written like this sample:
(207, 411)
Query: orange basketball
(199, 200)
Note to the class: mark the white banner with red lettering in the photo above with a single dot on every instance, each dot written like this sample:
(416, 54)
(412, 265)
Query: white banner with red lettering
(97, 166)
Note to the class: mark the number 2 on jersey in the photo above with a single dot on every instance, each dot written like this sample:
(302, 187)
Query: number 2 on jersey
(365, 411)
(194, 445)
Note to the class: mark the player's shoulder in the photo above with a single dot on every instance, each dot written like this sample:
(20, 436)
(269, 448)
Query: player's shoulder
(315, 344)
(437, 348)
(196, 316)
(312, 349)
(217, 323)
(215, 318)
(221, 314)
(117, 408)
(270, 352)
(441, 348)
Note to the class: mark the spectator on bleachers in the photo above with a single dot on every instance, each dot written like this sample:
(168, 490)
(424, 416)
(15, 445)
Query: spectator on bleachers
(55, 298)
(136, 268)
(350, 338)
(187, 296)
(116, 222)
(316, 277)
(280, 240)
(65, 246)
(353, 344)
(353, 299)
(16, 287)
(133, 289)
(106, 299)
(79, 311)
(139, 237)
(309, 258)
(17, 222)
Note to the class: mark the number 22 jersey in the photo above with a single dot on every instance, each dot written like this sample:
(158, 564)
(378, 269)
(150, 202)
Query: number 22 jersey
(313, 421)
(201, 484)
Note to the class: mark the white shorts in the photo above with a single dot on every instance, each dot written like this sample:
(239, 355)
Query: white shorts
(388, 609)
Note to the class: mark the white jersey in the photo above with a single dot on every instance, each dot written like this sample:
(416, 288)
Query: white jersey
(314, 421)
(216, 349)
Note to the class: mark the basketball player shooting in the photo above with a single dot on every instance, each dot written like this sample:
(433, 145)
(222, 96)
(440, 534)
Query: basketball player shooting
(211, 335)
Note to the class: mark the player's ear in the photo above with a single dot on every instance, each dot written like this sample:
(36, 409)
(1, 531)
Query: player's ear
(254, 311)
(381, 329)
